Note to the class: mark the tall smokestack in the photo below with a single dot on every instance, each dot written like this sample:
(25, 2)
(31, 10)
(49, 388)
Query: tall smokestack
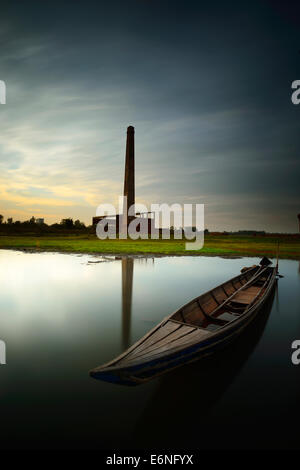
(299, 222)
(129, 190)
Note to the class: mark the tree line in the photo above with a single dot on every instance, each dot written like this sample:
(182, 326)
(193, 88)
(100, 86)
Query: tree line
(33, 225)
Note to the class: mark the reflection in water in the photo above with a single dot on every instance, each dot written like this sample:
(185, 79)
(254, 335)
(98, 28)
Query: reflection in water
(277, 297)
(127, 281)
(127, 284)
(198, 387)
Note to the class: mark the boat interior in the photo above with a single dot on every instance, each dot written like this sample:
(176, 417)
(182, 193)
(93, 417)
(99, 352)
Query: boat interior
(225, 303)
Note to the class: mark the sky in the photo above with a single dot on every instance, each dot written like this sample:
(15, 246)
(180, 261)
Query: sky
(207, 86)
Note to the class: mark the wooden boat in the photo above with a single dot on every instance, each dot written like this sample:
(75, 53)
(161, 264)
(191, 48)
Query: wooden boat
(199, 328)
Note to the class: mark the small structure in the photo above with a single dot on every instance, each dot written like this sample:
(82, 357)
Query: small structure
(39, 221)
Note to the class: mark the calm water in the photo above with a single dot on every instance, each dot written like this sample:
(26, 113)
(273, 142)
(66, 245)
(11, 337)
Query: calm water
(62, 315)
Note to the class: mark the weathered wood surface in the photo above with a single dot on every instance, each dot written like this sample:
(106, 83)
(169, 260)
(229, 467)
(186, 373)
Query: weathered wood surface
(163, 332)
(194, 337)
(246, 296)
(168, 338)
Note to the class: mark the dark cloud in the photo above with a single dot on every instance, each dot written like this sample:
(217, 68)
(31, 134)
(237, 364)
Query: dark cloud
(207, 85)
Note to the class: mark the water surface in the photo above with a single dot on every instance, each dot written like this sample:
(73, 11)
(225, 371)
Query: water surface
(63, 314)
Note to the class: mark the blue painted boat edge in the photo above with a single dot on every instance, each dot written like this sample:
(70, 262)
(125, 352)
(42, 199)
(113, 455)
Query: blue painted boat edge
(177, 359)
(112, 378)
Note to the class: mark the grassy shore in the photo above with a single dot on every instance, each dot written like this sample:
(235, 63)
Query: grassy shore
(229, 245)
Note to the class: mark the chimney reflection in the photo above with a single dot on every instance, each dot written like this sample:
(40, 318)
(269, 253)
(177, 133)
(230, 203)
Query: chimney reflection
(127, 284)
(127, 281)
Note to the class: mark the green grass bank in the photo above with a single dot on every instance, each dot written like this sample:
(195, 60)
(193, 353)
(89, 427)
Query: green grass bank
(229, 245)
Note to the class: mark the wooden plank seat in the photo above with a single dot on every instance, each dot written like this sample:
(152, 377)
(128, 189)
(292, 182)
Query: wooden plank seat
(246, 296)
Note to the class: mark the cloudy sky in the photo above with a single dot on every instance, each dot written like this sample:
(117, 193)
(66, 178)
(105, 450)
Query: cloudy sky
(207, 86)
